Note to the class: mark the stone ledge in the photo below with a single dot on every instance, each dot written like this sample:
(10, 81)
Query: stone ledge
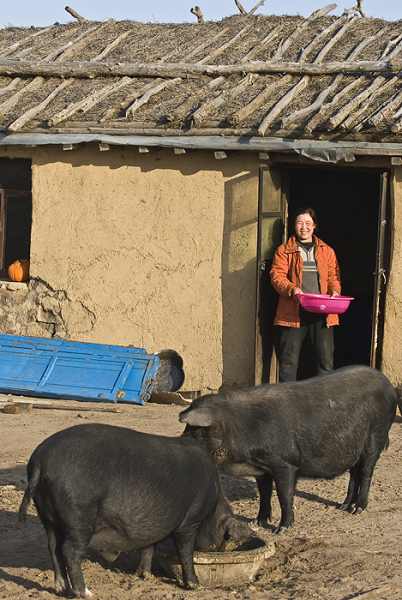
(6, 284)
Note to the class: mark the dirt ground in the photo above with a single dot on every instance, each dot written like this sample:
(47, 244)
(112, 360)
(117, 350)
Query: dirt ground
(327, 554)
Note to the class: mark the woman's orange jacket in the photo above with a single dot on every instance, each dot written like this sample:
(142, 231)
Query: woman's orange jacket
(286, 273)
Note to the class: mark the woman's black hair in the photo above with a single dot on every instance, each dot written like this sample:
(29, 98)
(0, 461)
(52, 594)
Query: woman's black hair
(306, 210)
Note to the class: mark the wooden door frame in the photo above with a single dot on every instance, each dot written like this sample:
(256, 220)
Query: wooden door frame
(379, 275)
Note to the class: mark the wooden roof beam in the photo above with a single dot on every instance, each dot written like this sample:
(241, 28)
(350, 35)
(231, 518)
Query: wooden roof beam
(88, 102)
(299, 87)
(90, 70)
(211, 106)
(300, 29)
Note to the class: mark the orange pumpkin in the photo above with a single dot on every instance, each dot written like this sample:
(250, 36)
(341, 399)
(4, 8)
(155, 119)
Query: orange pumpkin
(19, 270)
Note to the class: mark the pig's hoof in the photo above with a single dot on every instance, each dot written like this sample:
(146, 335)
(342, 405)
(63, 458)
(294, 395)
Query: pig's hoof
(85, 594)
(262, 523)
(358, 511)
(281, 530)
(192, 585)
(143, 574)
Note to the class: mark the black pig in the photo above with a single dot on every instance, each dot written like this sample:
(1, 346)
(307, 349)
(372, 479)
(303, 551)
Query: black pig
(320, 427)
(114, 489)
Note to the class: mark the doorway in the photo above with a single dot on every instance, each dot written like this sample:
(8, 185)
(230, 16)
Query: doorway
(348, 205)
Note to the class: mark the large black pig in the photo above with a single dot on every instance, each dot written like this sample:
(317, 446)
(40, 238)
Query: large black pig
(320, 427)
(114, 489)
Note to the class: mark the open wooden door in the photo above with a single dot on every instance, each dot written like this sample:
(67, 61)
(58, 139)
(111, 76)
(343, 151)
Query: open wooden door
(271, 219)
(380, 273)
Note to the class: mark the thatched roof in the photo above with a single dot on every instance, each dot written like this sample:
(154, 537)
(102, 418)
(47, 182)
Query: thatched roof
(325, 77)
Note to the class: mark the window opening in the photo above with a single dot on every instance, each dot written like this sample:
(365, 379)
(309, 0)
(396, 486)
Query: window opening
(15, 227)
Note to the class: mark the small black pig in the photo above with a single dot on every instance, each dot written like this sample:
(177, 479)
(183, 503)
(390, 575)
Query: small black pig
(320, 427)
(114, 489)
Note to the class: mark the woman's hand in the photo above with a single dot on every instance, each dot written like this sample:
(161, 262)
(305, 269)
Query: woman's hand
(296, 293)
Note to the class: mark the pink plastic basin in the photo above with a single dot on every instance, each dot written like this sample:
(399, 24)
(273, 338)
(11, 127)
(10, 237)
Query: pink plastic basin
(324, 303)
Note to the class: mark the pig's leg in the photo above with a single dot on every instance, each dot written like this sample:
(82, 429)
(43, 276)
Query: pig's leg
(74, 548)
(353, 488)
(264, 483)
(367, 464)
(145, 565)
(285, 481)
(185, 541)
(55, 538)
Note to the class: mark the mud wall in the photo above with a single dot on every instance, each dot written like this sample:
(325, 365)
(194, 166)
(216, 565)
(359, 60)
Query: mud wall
(155, 250)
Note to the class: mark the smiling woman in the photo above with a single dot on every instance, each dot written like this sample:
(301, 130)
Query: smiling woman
(304, 264)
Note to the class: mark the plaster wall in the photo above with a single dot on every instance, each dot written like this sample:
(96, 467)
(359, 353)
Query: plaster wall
(155, 250)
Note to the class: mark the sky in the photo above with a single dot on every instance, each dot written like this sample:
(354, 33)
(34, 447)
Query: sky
(40, 13)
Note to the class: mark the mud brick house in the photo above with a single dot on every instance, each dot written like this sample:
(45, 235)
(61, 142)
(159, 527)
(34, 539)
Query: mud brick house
(148, 171)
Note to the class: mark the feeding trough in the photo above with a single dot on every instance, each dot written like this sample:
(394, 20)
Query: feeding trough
(324, 303)
(220, 569)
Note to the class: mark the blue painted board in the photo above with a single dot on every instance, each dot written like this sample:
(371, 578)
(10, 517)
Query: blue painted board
(75, 370)
(40, 344)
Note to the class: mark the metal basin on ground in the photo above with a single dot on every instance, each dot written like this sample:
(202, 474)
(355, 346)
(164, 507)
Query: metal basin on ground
(169, 376)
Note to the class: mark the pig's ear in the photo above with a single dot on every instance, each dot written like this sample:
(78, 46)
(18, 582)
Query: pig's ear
(237, 531)
(197, 417)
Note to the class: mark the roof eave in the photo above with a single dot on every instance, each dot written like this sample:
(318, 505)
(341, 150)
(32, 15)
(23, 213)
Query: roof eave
(199, 142)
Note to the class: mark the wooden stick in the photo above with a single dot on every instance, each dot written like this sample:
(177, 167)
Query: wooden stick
(279, 106)
(260, 45)
(357, 116)
(360, 9)
(300, 29)
(76, 408)
(88, 102)
(28, 40)
(258, 101)
(60, 52)
(30, 114)
(144, 99)
(252, 11)
(325, 109)
(351, 106)
(345, 17)
(32, 86)
(298, 115)
(197, 12)
(75, 14)
(224, 47)
(241, 9)
(213, 105)
(382, 113)
(303, 82)
(111, 46)
(183, 109)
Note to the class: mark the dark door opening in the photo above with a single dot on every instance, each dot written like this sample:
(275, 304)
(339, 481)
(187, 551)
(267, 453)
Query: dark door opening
(348, 204)
(15, 211)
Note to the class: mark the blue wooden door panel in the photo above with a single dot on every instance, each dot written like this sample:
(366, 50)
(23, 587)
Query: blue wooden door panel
(22, 367)
(40, 344)
(75, 370)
